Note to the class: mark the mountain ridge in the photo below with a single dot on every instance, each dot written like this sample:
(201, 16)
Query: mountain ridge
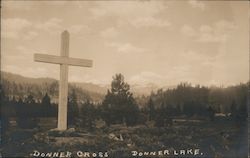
(137, 89)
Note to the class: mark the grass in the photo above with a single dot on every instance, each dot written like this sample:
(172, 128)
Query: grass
(215, 139)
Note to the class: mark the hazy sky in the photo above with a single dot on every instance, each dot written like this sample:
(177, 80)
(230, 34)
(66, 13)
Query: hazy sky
(161, 42)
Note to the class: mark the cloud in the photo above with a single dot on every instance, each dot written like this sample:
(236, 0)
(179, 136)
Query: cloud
(13, 27)
(197, 4)
(15, 23)
(174, 76)
(86, 78)
(53, 25)
(126, 48)
(146, 77)
(191, 56)
(18, 28)
(78, 29)
(30, 35)
(218, 32)
(109, 32)
(56, 25)
(25, 51)
(20, 54)
(16, 5)
(134, 13)
(127, 8)
(188, 30)
(150, 22)
(22, 57)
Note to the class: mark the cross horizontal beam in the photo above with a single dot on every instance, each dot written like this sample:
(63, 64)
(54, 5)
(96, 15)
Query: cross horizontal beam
(62, 60)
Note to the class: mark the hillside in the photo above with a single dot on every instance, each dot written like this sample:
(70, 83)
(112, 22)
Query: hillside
(20, 86)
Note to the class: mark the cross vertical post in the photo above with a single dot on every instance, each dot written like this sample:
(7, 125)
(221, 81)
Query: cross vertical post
(63, 85)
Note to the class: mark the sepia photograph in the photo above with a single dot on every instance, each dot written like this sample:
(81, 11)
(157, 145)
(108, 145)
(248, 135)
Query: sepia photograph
(124, 79)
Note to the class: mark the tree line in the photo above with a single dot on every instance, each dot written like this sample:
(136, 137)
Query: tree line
(120, 107)
(38, 89)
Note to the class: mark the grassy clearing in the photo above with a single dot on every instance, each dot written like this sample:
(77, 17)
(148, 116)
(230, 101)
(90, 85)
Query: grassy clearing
(215, 139)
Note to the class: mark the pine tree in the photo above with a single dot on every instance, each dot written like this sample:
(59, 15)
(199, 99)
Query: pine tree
(30, 99)
(151, 109)
(46, 99)
(4, 117)
(233, 110)
(211, 113)
(73, 111)
(119, 106)
(46, 106)
(88, 115)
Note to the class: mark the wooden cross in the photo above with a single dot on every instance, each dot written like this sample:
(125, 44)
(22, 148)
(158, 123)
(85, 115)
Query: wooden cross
(64, 60)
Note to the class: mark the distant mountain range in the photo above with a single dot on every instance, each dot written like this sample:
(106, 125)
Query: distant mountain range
(92, 89)
(19, 79)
